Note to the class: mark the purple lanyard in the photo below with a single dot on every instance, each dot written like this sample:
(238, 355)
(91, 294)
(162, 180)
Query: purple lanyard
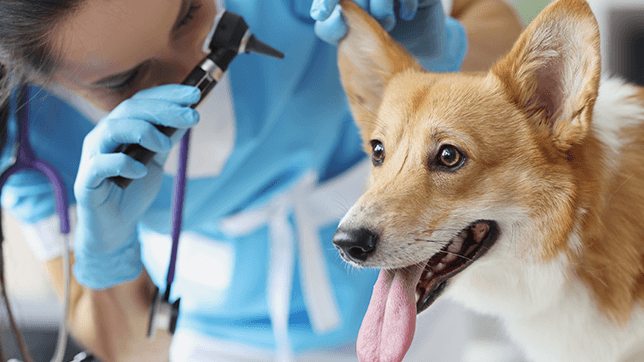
(26, 159)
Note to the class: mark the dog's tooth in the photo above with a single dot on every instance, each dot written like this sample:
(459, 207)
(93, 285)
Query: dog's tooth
(449, 258)
(425, 279)
(439, 267)
(456, 245)
(470, 249)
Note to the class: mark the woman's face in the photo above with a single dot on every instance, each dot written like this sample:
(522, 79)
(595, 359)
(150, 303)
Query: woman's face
(113, 48)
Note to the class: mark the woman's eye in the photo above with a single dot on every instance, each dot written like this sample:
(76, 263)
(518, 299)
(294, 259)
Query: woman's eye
(450, 157)
(127, 83)
(190, 15)
(377, 152)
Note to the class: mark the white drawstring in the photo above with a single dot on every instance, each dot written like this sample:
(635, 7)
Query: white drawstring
(280, 280)
(312, 208)
(318, 295)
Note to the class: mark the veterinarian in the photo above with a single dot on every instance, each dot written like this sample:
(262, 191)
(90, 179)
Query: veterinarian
(275, 160)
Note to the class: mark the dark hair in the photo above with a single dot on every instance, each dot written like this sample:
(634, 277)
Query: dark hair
(27, 31)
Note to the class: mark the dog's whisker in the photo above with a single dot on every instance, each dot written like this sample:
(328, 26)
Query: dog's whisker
(375, 116)
(375, 121)
(458, 255)
(342, 204)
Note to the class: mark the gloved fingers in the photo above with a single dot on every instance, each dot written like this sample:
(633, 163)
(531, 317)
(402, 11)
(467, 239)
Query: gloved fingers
(383, 11)
(408, 9)
(99, 167)
(133, 131)
(321, 10)
(161, 112)
(109, 134)
(333, 28)
(181, 94)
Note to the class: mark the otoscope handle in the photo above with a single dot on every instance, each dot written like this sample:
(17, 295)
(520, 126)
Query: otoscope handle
(138, 153)
(204, 77)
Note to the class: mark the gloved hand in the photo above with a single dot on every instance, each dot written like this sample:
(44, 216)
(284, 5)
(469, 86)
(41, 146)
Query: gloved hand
(438, 42)
(106, 246)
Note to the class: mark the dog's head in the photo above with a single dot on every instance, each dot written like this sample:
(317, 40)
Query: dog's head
(465, 163)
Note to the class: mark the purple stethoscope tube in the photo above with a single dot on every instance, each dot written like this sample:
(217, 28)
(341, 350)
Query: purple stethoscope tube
(178, 195)
(25, 159)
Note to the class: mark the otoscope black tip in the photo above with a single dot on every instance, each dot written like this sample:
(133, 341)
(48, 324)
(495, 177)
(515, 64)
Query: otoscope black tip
(256, 46)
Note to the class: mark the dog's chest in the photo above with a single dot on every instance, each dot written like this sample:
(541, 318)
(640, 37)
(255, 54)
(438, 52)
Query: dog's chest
(510, 289)
(552, 317)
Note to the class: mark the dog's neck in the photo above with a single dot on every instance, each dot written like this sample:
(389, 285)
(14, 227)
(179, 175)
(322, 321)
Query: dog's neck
(610, 261)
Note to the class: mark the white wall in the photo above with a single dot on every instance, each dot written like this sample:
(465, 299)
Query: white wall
(601, 9)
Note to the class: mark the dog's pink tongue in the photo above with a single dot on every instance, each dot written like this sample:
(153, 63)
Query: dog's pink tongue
(389, 324)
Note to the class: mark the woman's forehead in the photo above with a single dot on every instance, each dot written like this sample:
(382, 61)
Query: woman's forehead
(106, 37)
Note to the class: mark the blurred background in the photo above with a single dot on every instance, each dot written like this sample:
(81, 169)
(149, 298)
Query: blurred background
(37, 308)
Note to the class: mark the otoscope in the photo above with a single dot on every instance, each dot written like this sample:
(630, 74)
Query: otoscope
(229, 36)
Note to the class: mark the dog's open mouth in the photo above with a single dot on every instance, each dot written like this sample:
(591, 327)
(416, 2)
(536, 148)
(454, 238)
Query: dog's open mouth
(399, 294)
(462, 250)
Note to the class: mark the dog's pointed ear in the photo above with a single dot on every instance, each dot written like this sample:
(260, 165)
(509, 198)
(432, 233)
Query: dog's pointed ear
(553, 71)
(368, 58)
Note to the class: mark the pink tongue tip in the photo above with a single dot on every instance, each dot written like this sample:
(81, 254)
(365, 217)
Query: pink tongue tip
(388, 326)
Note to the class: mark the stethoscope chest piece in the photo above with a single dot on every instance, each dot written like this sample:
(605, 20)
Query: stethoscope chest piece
(163, 314)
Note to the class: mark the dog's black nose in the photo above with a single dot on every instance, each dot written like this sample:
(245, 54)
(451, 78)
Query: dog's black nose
(355, 244)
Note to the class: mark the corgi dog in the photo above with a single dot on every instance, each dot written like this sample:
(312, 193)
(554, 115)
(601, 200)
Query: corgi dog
(518, 192)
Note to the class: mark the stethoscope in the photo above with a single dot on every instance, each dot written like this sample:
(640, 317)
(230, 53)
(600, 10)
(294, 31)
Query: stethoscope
(229, 36)
(25, 159)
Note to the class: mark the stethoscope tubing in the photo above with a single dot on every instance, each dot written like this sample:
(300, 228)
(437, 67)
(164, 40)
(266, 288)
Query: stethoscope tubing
(25, 159)
(178, 196)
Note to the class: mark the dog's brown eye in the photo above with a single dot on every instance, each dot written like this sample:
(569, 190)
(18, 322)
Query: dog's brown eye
(377, 152)
(450, 156)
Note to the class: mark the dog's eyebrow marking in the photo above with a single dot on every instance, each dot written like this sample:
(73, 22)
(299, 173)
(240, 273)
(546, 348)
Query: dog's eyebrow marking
(419, 98)
(438, 136)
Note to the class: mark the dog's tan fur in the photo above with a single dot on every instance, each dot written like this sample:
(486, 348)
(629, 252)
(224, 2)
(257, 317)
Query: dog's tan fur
(537, 156)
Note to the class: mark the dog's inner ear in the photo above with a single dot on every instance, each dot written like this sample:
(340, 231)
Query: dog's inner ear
(553, 71)
(368, 58)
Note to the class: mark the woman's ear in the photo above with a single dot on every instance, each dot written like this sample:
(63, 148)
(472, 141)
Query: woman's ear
(368, 58)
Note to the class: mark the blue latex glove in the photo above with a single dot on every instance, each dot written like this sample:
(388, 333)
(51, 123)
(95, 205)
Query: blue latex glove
(438, 42)
(106, 246)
